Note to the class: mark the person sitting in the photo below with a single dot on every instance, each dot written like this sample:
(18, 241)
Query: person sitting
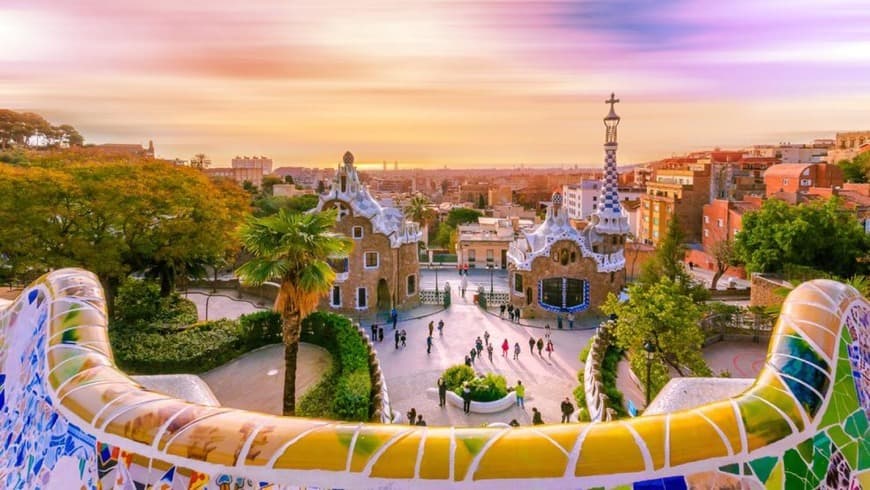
(420, 421)
(536, 417)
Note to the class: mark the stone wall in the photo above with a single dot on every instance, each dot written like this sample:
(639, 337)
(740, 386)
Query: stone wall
(597, 403)
(764, 290)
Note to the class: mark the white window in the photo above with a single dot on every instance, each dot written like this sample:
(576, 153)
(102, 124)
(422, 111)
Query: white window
(411, 285)
(489, 255)
(362, 298)
(706, 232)
(372, 260)
(719, 222)
(706, 220)
(335, 297)
(357, 232)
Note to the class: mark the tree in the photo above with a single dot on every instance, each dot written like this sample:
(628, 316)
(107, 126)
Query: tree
(418, 209)
(724, 254)
(294, 249)
(663, 314)
(288, 179)
(200, 161)
(481, 202)
(857, 169)
(114, 217)
(249, 187)
(268, 184)
(822, 235)
(668, 263)
(269, 205)
(461, 216)
(27, 129)
(321, 188)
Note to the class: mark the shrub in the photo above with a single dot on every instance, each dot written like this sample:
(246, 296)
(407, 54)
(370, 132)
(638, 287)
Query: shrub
(454, 376)
(260, 328)
(139, 302)
(347, 394)
(488, 388)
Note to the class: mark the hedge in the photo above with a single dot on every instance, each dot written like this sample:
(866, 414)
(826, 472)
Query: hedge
(486, 388)
(346, 393)
(609, 368)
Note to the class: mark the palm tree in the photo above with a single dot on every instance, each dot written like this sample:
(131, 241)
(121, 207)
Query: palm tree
(418, 209)
(293, 248)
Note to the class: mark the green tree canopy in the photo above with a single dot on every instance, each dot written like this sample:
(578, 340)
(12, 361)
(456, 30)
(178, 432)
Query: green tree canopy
(856, 170)
(461, 216)
(27, 129)
(114, 217)
(823, 235)
(668, 263)
(664, 315)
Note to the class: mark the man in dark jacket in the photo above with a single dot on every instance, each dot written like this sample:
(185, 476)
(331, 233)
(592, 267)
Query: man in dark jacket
(567, 410)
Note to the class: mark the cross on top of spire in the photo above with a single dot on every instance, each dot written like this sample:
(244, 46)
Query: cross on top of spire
(612, 100)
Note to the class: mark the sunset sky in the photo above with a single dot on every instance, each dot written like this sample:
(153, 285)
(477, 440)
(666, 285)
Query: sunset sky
(445, 82)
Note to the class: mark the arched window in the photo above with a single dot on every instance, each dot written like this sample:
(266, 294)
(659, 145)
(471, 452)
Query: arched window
(563, 293)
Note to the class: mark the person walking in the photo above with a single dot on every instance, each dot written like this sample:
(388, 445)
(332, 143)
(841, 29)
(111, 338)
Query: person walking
(466, 398)
(547, 331)
(463, 284)
(532, 345)
(550, 349)
(420, 421)
(404, 337)
(478, 344)
(467, 360)
(412, 415)
(559, 321)
(374, 329)
(517, 315)
(489, 350)
(442, 392)
(571, 320)
(431, 327)
(540, 344)
(440, 327)
(510, 309)
(398, 337)
(501, 310)
(380, 334)
(473, 354)
(567, 410)
(429, 344)
(520, 391)
(505, 347)
(516, 351)
(536, 417)
(394, 316)
(486, 336)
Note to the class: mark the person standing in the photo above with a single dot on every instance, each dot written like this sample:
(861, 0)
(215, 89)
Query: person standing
(532, 345)
(412, 415)
(398, 337)
(516, 351)
(489, 350)
(404, 337)
(505, 347)
(429, 345)
(431, 327)
(517, 315)
(550, 349)
(571, 320)
(536, 417)
(540, 344)
(486, 336)
(463, 284)
(441, 327)
(547, 331)
(473, 354)
(380, 334)
(374, 329)
(521, 394)
(442, 392)
(567, 410)
(394, 316)
(478, 344)
(467, 360)
(510, 309)
(466, 398)
(559, 321)
(501, 310)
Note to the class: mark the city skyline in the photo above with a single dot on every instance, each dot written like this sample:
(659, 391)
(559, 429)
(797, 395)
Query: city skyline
(433, 83)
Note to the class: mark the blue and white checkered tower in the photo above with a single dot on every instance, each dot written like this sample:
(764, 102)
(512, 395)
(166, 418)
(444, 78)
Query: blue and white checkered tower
(611, 220)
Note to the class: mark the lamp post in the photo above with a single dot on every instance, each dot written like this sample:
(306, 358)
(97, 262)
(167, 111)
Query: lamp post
(650, 350)
(491, 267)
(437, 291)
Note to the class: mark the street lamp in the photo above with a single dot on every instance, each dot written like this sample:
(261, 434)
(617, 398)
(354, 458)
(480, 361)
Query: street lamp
(491, 267)
(437, 291)
(650, 351)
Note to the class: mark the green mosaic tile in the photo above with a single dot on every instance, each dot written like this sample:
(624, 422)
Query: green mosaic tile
(844, 398)
(763, 466)
(850, 452)
(747, 471)
(734, 469)
(856, 424)
(805, 449)
(839, 436)
(821, 456)
(774, 480)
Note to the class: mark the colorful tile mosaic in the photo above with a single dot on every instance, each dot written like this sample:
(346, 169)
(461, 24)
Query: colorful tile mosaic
(70, 419)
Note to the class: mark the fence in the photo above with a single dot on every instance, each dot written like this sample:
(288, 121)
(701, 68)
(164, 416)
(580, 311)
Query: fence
(741, 325)
(435, 297)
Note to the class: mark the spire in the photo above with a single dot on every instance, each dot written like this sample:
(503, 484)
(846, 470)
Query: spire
(610, 217)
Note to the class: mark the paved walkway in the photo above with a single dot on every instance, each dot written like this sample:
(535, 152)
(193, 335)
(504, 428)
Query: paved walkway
(224, 303)
(255, 381)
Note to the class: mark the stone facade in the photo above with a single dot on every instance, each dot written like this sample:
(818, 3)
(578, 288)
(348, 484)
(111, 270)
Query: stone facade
(597, 284)
(383, 269)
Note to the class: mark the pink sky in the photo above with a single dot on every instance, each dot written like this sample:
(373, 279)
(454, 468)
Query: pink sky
(438, 82)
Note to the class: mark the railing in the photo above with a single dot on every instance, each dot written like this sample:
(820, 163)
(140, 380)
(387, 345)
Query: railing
(740, 325)
(593, 384)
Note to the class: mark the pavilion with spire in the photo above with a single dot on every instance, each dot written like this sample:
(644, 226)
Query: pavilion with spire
(558, 269)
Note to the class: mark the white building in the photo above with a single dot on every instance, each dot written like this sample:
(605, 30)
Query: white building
(581, 200)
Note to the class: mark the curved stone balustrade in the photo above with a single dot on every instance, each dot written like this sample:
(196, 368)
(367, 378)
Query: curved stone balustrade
(71, 419)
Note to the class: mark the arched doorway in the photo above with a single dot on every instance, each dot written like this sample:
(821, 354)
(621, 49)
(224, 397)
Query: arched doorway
(383, 302)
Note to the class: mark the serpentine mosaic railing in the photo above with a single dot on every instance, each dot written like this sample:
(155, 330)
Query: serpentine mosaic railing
(70, 419)
(593, 383)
